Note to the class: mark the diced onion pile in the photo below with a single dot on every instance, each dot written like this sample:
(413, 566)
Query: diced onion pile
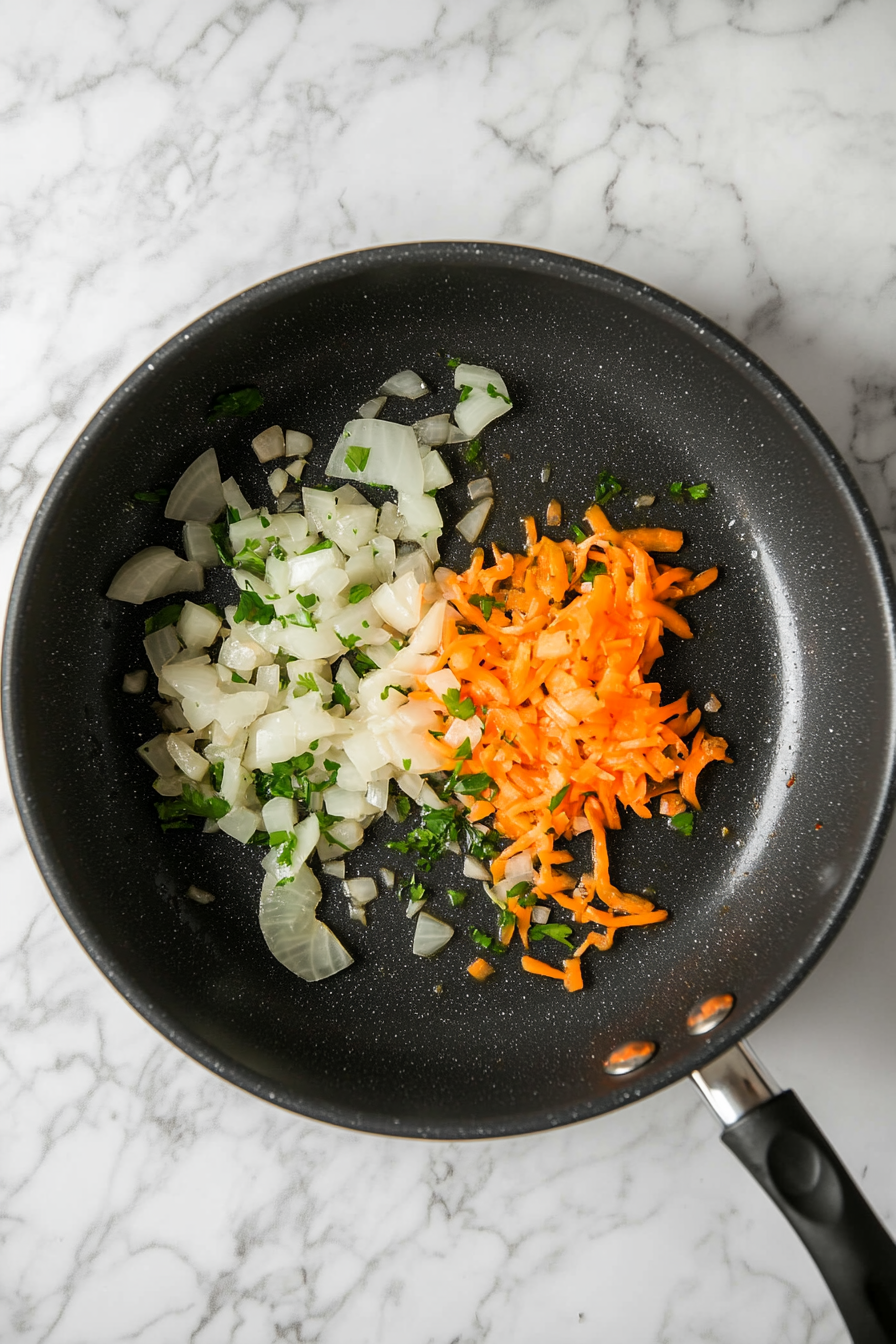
(289, 718)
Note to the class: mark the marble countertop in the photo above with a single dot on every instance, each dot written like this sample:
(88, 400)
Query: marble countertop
(160, 156)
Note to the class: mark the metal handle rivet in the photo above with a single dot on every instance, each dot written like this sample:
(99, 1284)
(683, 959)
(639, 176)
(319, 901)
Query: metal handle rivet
(626, 1058)
(709, 1013)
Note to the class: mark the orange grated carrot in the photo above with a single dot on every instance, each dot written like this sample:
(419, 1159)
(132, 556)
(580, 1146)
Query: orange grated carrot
(572, 974)
(536, 967)
(480, 969)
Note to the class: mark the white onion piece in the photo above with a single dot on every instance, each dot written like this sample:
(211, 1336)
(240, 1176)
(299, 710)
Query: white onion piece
(478, 376)
(198, 493)
(294, 934)
(286, 501)
(545, 474)
(387, 877)
(414, 562)
(405, 384)
(435, 473)
(197, 627)
(269, 444)
(428, 635)
(413, 908)
(160, 646)
(431, 935)
(473, 868)
(295, 469)
(541, 914)
(198, 895)
(240, 822)
(336, 868)
(135, 682)
(474, 521)
(378, 794)
(432, 431)
(298, 444)
(481, 488)
(371, 409)
(153, 572)
(429, 798)
(235, 499)
(199, 546)
(478, 410)
(519, 867)
(185, 758)
(155, 754)
(456, 435)
(389, 453)
(278, 481)
(360, 890)
(390, 518)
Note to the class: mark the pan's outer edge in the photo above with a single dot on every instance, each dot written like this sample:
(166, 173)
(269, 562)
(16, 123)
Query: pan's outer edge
(517, 257)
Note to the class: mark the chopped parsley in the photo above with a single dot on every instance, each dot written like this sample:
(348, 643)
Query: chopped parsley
(356, 457)
(235, 676)
(700, 491)
(358, 592)
(364, 664)
(340, 697)
(473, 450)
(577, 533)
(464, 393)
(676, 487)
(221, 538)
(558, 797)
(493, 392)
(487, 941)
(520, 892)
(307, 681)
(216, 775)
(348, 640)
(248, 559)
(474, 786)
(506, 920)
(150, 496)
(464, 751)
(684, 823)
(456, 897)
(461, 709)
(485, 604)
(233, 515)
(324, 545)
(308, 601)
(605, 487)
(559, 932)
(165, 616)
(243, 401)
(277, 550)
(592, 569)
(406, 763)
(452, 362)
(176, 814)
(252, 608)
(402, 805)
(402, 690)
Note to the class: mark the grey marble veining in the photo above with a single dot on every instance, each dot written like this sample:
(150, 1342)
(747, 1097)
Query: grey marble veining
(159, 156)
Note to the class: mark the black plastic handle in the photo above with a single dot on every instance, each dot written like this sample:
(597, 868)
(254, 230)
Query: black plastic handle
(782, 1146)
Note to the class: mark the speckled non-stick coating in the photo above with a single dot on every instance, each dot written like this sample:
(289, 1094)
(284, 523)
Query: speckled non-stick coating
(796, 640)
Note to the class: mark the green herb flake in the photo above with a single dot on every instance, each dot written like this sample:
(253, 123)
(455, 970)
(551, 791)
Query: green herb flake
(485, 604)
(363, 664)
(402, 690)
(452, 362)
(243, 401)
(150, 496)
(266, 522)
(464, 393)
(464, 751)
(521, 889)
(235, 676)
(402, 806)
(358, 592)
(165, 616)
(176, 813)
(605, 487)
(487, 941)
(461, 709)
(253, 608)
(559, 932)
(558, 797)
(592, 570)
(684, 823)
(307, 681)
(233, 515)
(340, 697)
(221, 538)
(474, 786)
(473, 450)
(248, 559)
(324, 545)
(356, 457)
(349, 641)
(456, 897)
(406, 763)
(700, 491)
(493, 392)
(577, 533)
(676, 487)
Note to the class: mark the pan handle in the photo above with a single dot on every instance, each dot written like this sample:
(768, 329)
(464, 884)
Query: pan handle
(778, 1141)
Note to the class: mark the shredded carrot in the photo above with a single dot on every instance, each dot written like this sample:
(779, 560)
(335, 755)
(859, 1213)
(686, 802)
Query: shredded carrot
(572, 974)
(537, 967)
(574, 728)
(480, 969)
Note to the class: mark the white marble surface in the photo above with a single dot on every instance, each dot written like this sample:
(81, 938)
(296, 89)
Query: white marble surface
(158, 155)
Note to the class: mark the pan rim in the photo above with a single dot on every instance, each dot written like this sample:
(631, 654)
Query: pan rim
(321, 271)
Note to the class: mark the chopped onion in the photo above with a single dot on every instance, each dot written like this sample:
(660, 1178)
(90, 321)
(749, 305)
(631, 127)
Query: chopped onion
(545, 474)
(479, 378)
(153, 572)
(235, 499)
(413, 908)
(269, 444)
(360, 890)
(713, 704)
(478, 410)
(199, 545)
(278, 481)
(456, 435)
(645, 501)
(432, 431)
(519, 867)
(541, 914)
(241, 823)
(185, 758)
(155, 754)
(473, 868)
(295, 469)
(198, 493)
(387, 877)
(429, 798)
(135, 682)
(431, 935)
(405, 384)
(371, 409)
(199, 896)
(378, 794)
(294, 934)
(474, 521)
(390, 520)
(378, 452)
(298, 444)
(197, 627)
(481, 488)
(286, 500)
(160, 646)
(336, 868)
(435, 473)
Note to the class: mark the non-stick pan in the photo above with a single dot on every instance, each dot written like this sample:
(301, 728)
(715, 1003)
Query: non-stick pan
(796, 640)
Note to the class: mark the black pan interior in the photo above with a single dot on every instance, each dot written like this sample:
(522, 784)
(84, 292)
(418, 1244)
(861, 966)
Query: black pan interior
(796, 640)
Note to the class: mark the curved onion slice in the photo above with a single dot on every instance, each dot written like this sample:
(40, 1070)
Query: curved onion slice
(479, 409)
(153, 572)
(294, 934)
(481, 488)
(371, 409)
(199, 545)
(435, 473)
(430, 935)
(474, 520)
(433, 431)
(198, 494)
(378, 452)
(405, 384)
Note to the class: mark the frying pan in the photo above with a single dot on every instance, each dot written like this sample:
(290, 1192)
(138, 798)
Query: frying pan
(796, 640)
